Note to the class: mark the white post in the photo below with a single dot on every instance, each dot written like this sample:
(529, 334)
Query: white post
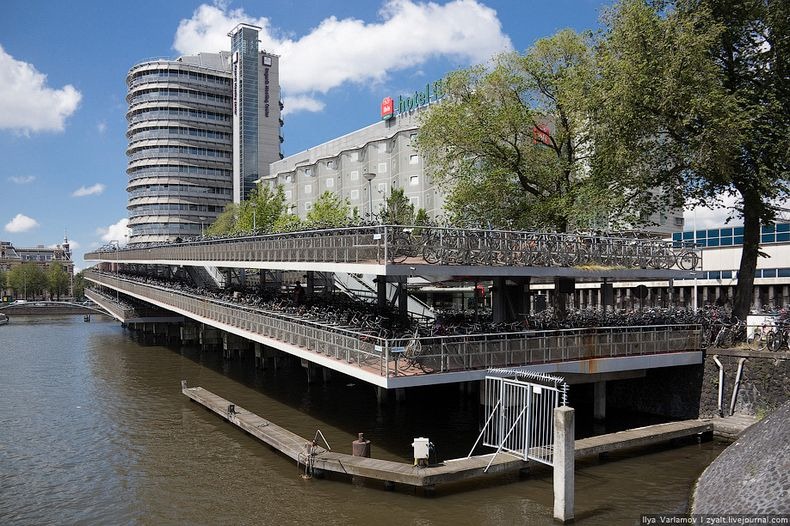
(564, 463)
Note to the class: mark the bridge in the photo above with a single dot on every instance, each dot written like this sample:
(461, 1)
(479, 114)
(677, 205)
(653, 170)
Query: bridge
(395, 254)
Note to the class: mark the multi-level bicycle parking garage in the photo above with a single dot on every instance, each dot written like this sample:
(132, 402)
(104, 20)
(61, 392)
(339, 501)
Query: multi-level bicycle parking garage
(390, 257)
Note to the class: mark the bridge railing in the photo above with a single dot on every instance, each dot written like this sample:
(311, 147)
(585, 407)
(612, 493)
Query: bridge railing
(437, 354)
(423, 245)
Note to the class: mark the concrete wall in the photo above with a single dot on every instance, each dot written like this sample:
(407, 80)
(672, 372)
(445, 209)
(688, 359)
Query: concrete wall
(765, 382)
(692, 391)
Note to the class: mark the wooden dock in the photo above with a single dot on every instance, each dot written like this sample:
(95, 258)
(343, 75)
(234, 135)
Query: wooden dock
(305, 452)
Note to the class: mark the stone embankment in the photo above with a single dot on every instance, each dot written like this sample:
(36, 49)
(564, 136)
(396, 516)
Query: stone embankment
(29, 309)
(753, 474)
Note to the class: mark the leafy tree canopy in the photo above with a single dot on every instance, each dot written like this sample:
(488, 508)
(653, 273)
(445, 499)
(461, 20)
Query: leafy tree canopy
(329, 210)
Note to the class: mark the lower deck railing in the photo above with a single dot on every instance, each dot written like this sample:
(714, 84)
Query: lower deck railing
(437, 354)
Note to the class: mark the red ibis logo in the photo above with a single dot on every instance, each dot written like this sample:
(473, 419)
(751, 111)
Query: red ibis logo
(387, 108)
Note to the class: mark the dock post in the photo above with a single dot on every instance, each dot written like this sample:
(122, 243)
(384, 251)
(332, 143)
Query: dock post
(564, 463)
(599, 400)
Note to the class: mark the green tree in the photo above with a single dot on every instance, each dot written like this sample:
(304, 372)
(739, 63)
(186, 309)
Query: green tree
(511, 143)
(57, 280)
(79, 286)
(398, 210)
(697, 104)
(287, 223)
(2, 281)
(225, 223)
(27, 279)
(263, 208)
(329, 210)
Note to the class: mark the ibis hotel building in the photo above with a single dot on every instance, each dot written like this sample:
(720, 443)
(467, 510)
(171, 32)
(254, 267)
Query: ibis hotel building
(364, 166)
(201, 128)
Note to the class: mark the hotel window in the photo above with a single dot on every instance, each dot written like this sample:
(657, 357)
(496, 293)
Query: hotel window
(355, 195)
(354, 156)
(330, 183)
(414, 159)
(382, 168)
(308, 189)
(308, 172)
(330, 165)
(353, 175)
(382, 188)
(288, 194)
(288, 179)
(308, 205)
(414, 180)
(415, 201)
(382, 147)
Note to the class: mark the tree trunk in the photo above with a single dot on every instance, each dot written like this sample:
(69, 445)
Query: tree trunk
(751, 245)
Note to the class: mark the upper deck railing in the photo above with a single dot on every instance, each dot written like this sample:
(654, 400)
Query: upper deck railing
(391, 357)
(430, 245)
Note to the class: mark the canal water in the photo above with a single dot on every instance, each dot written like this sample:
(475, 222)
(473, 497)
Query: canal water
(94, 430)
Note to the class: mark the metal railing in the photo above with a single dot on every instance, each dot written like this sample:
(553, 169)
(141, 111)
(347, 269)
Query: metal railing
(427, 245)
(438, 354)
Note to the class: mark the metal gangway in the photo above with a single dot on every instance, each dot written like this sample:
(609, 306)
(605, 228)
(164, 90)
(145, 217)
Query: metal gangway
(519, 407)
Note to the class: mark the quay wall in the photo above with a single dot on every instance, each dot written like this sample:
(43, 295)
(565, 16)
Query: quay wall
(47, 310)
(691, 391)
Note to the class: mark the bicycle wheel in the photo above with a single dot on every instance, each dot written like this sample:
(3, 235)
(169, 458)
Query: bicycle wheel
(761, 342)
(774, 342)
(401, 247)
(688, 260)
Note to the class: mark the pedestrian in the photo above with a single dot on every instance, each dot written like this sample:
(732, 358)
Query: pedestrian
(298, 294)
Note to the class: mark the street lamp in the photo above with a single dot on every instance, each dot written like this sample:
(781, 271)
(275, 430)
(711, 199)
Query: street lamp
(369, 178)
(201, 225)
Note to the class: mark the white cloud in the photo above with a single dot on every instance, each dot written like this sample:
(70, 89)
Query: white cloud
(116, 232)
(83, 191)
(301, 103)
(21, 223)
(350, 50)
(22, 179)
(101, 127)
(27, 104)
(711, 217)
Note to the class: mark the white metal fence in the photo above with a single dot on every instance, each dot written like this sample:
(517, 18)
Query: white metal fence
(520, 414)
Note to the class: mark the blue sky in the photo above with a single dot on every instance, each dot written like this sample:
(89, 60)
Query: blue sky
(63, 67)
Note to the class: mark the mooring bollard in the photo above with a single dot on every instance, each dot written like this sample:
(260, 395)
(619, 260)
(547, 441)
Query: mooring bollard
(360, 447)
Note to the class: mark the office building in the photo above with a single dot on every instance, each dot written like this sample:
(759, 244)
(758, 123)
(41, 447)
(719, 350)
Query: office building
(180, 145)
(256, 110)
(200, 128)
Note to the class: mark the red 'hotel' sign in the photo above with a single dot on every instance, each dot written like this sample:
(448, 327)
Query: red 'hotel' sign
(387, 108)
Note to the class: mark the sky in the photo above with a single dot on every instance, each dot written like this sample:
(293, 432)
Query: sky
(63, 67)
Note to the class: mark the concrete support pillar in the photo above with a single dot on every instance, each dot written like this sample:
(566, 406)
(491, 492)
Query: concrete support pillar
(771, 295)
(312, 371)
(785, 295)
(310, 289)
(400, 394)
(599, 400)
(403, 298)
(499, 304)
(381, 291)
(260, 363)
(327, 374)
(756, 299)
(381, 395)
(564, 463)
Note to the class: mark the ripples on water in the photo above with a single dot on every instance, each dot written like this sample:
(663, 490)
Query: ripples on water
(94, 430)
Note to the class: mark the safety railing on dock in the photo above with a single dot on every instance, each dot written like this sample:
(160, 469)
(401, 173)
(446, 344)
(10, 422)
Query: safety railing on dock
(423, 355)
(388, 244)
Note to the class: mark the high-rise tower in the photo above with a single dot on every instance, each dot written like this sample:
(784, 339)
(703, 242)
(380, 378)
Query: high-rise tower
(256, 110)
(180, 145)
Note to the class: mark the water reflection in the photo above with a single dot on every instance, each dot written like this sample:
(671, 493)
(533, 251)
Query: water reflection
(94, 430)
